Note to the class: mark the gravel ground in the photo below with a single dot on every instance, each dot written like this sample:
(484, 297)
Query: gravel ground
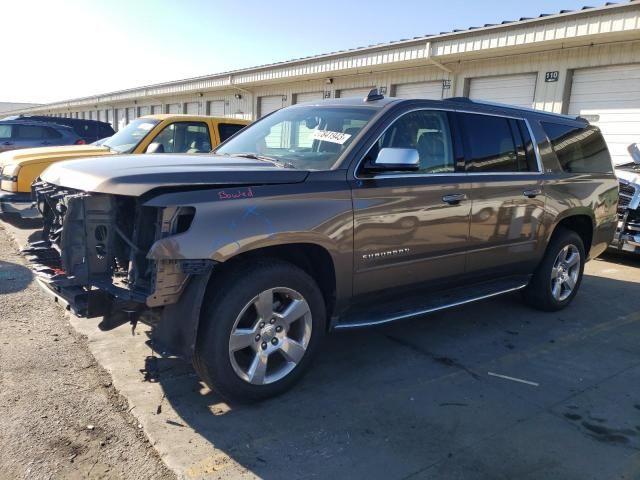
(60, 416)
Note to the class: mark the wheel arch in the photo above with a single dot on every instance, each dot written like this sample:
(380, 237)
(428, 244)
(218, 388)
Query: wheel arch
(313, 258)
(180, 323)
(580, 221)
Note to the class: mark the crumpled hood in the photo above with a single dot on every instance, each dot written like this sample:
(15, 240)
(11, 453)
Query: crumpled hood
(135, 175)
(628, 174)
(25, 156)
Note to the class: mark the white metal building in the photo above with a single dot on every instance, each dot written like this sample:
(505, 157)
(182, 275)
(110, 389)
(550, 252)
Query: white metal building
(584, 62)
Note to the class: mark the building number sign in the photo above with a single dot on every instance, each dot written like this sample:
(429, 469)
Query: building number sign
(551, 76)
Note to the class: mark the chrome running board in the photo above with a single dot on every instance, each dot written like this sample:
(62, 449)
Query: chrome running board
(358, 322)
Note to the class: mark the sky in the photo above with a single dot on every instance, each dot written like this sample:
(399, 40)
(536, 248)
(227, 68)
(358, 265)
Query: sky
(62, 49)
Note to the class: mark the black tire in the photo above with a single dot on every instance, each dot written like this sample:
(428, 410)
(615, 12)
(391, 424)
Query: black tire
(225, 300)
(538, 293)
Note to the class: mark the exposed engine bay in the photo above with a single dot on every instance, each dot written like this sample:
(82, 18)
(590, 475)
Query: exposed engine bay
(94, 250)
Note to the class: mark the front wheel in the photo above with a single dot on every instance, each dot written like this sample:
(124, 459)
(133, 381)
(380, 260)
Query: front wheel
(260, 329)
(557, 279)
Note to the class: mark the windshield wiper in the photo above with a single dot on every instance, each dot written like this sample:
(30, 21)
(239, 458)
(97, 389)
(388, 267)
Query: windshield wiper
(264, 158)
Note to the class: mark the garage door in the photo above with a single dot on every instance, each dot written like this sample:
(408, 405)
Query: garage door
(146, 110)
(510, 89)
(216, 108)
(102, 115)
(354, 92)
(175, 108)
(121, 118)
(429, 90)
(309, 97)
(156, 109)
(131, 114)
(193, 108)
(609, 97)
(270, 104)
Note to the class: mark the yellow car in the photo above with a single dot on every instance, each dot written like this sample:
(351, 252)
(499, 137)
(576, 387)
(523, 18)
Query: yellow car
(149, 134)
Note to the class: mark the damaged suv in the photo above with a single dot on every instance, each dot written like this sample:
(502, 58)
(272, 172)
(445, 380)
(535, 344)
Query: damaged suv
(627, 237)
(342, 214)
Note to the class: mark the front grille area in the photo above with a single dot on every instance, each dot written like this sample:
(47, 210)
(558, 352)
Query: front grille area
(627, 190)
(627, 193)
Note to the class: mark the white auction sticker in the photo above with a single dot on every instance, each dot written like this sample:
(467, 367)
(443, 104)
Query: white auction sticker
(329, 136)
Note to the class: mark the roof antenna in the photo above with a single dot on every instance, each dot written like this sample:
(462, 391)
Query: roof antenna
(373, 95)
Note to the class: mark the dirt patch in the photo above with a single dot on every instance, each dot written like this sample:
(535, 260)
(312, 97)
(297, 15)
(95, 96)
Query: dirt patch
(60, 416)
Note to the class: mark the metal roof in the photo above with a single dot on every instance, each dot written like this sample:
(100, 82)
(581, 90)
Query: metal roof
(451, 42)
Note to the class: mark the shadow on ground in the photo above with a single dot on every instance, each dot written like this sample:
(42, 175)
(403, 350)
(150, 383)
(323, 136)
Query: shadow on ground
(416, 398)
(621, 258)
(13, 277)
(21, 223)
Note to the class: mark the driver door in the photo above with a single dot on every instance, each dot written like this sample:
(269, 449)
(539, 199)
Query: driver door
(412, 227)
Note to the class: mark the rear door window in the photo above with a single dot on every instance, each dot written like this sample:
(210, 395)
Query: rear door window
(227, 130)
(5, 131)
(496, 144)
(30, 132)
(579, 149)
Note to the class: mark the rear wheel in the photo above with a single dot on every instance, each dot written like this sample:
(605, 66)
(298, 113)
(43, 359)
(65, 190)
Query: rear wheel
(260, 329)
(557, 279)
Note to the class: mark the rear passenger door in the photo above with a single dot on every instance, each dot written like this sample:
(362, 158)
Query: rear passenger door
(27, 136)
(508, 198)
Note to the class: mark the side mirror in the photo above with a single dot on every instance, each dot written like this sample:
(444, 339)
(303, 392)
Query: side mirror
(154, 147)
(396, 159)
(634, 151)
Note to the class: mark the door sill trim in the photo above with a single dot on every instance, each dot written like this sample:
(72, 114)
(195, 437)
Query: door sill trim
(417, 313)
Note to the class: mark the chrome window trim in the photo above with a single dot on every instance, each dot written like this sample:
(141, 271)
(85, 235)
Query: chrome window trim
(456, 174)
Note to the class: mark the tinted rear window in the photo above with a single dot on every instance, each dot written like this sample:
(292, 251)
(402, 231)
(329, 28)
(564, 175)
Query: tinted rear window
(497, 144)
(228, 129)
(30, 132)
(579, 149)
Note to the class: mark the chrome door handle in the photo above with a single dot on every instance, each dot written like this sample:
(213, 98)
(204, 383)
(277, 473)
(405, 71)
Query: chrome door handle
(454, 198)
(533, 193)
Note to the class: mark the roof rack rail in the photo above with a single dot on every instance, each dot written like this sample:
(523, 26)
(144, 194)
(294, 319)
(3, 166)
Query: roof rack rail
(373, 95)
(459, 99)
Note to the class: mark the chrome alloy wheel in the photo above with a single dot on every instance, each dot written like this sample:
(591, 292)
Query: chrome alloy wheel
(565, 272)
(270, 336)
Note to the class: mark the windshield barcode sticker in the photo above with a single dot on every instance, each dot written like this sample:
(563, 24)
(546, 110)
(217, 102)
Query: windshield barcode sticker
(329, 136)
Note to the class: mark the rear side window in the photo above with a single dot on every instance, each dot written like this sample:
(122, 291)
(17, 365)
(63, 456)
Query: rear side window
(52, 133)
(30, 132)
(226, 130)
(579, 149)
(497, 144)
(5, 131)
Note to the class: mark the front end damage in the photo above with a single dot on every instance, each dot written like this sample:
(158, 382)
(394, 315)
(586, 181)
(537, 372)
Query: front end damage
(627, 237)
(93, 255)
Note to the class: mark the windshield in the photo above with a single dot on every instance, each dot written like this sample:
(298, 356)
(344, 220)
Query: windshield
(308, 138)
(125, 140)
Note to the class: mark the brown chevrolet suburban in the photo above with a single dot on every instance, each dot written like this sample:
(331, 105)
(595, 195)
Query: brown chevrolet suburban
(340, 214)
